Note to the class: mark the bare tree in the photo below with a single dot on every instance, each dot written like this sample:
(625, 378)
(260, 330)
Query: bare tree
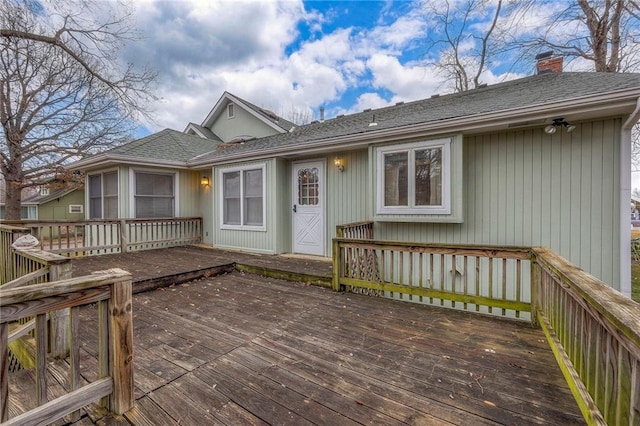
(63, 92)
(464, 34)
(602, 33)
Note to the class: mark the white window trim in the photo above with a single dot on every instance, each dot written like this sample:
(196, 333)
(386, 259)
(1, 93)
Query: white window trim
(80, 208)
(87, 194)
(231, 110)
(132, 188)
(220, 187)
(445, 208)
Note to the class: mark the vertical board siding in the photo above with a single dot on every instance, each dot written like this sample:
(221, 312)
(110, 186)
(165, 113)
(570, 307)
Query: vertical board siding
(258, 241)
(528, 188)
(349, 193)
(207, 205)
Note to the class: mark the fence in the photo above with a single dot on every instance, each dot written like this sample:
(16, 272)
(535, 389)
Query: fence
(111, 290)
(91, 237)
(594, 332)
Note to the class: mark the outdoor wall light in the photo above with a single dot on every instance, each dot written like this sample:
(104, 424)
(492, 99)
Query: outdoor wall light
(339, 163)
(204, 181)
(557, 122)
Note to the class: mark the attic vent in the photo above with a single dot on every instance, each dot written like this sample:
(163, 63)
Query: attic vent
(270, 114)
(482, 86)
(339, 115)
(400, 103)
(241, 139)
(367, 110)
(435, 96)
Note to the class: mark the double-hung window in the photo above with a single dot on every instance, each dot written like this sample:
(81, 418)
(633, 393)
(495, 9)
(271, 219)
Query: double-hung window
(103, 195)
(154, 195)
(414, 178)
(242, 197)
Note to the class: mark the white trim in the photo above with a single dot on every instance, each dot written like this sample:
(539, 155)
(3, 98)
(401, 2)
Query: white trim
(625, 198)
(220, 188)
(166, 172)
(410, 148)
(216, 111)
(231, 110)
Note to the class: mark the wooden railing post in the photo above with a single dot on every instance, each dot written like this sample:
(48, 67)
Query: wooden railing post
(123, 236)
(535, 291)
(336, 265)
(59, 341)
(121, 346)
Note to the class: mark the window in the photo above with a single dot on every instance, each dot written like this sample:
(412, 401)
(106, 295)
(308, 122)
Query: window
(26, 212)
(76, 208)
(414, 178)
(154, 194)
(231, 111)
(242, 196)
(103, 195)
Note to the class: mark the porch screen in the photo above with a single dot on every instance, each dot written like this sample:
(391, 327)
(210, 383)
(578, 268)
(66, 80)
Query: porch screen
(154, 196)
(243, 197)
(103, 196)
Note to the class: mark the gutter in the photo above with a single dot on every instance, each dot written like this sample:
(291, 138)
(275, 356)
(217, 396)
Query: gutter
(625, 200)
(593, 103)
(102, 159)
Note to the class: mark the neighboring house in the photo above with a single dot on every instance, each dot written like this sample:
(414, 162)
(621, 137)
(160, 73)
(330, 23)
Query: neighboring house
(54, 204)
(485, 166)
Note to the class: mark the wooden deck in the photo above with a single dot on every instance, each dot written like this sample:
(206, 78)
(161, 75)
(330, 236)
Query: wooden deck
(244, 349)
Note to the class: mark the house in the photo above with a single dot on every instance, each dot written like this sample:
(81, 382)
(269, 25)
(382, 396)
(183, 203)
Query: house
(52, 204)
(539, 161)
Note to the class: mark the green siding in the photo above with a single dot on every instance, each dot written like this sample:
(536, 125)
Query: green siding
(529, 188)
(283, 206)
(259, 241)
(58, 209)
(243, 123)
(206, 206)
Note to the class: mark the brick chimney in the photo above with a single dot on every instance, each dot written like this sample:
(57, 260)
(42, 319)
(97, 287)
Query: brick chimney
(548, 63)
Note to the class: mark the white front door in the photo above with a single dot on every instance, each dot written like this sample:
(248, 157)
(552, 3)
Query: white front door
(308, 207)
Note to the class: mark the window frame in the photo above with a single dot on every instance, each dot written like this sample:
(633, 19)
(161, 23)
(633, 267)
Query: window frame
(221, 198)
(133, 194)
(79, 207)
(102, 203)
(410, 148)
(231, 110)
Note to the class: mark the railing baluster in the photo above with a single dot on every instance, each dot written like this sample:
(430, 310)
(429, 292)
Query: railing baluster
(41, 359)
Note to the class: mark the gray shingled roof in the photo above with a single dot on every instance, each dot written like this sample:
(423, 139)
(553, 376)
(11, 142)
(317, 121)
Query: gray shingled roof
(529, 91)
(167, 144)
(206, 132)
(41, 199)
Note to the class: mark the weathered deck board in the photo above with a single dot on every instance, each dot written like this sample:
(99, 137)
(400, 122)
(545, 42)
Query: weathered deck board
(243, 349)
(163, 267)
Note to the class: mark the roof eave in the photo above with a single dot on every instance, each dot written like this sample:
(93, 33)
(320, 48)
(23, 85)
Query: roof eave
(590, 105)
(110, 159)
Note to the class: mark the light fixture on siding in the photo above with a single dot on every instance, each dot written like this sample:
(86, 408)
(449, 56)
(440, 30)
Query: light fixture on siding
(559, 122)
(204, 181)
(339, 163)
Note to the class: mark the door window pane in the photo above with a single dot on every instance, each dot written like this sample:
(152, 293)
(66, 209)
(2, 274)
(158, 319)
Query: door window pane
(308, 187)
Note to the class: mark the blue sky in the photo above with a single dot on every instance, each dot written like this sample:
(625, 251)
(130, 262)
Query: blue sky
(291, 56)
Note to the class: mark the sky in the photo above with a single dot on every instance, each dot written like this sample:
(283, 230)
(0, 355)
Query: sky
(291, 57)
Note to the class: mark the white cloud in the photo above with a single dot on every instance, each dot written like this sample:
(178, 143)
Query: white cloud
(407, 81)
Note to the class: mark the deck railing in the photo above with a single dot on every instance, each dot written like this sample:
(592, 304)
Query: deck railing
(91, 237)
(111, 290)
(356, 230)
(487, 279)
(8, 235)
(594, 332)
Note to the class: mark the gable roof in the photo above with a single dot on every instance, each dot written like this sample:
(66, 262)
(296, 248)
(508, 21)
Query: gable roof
(203, 132)
(529, 101)
(517, 104)
(167, 147)
(279, 124)
(42, 199)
